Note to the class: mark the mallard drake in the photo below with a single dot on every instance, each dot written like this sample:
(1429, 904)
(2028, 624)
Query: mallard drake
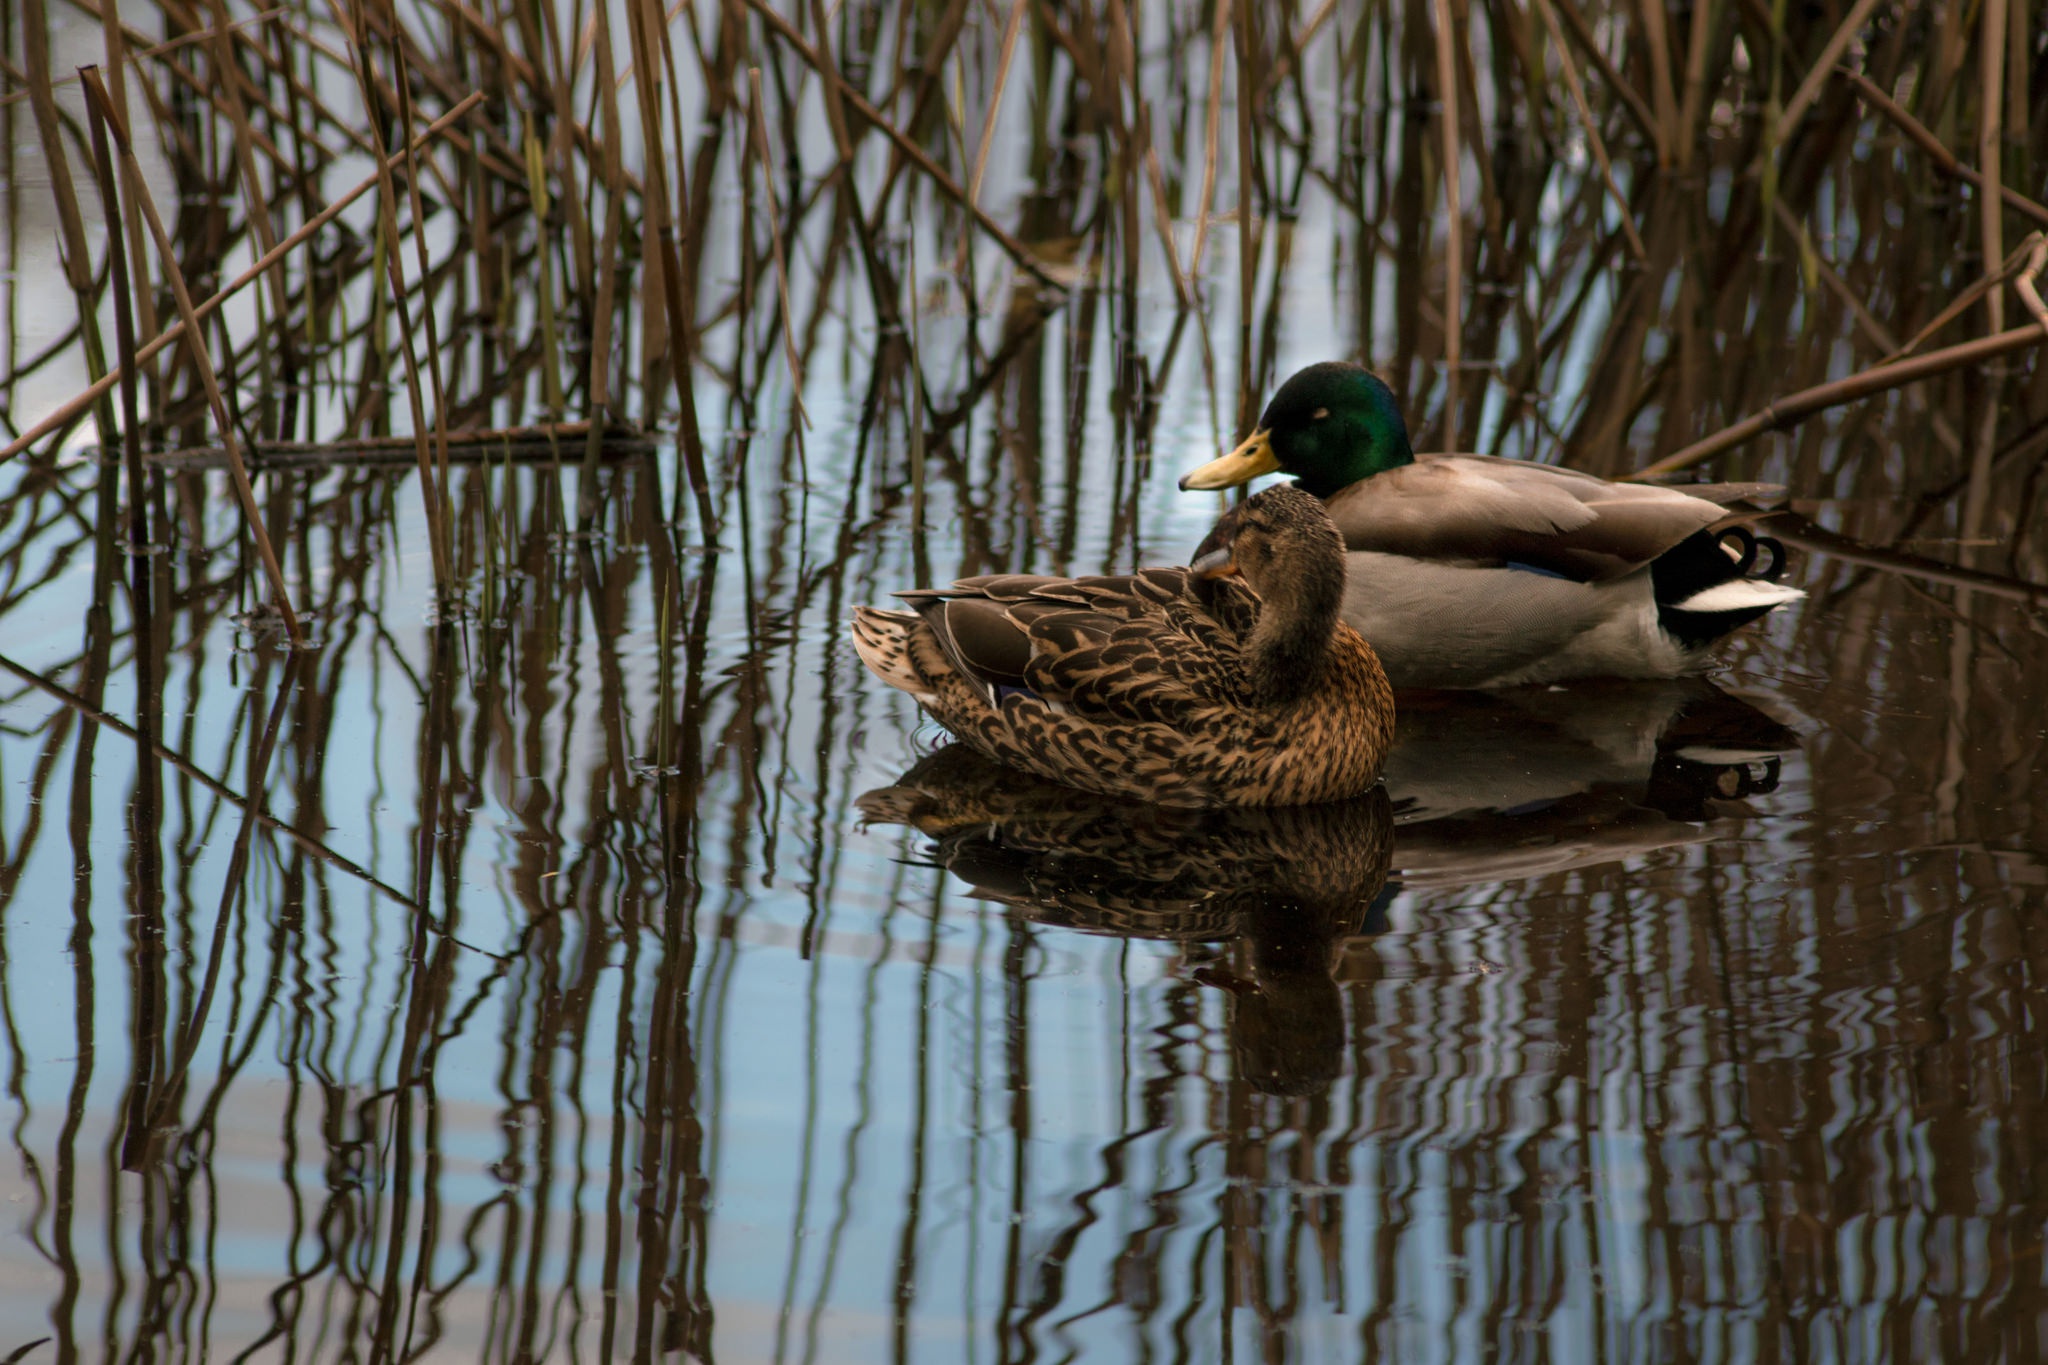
(1231, 682)
(1477, 571)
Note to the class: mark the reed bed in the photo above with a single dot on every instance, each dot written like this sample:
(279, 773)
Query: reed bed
(661, 335)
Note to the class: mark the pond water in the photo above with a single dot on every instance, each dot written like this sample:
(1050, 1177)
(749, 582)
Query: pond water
(604, 965)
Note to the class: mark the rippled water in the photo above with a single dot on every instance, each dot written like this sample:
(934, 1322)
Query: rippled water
(1692, 1018)
(605, 965)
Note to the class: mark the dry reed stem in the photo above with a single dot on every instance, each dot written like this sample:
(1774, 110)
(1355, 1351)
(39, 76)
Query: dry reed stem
(65, 697)
(85, 398)
(1212, 128)
(114, 39)
(1012, 26)
(1693, 101)
(350, 14)
(1991, 237)
(1594, 141)
(1283, 65)
(1944, 159)
(1662, 91)
(844, 90)
(758, 136)
(1960, 305)
(124, 329)
(1247, 244)
(1824, 66)
(1802, 534)
(1796, 407)
(2036, 247)
(1454, 215)
(1637, 107)
(136, 58)
(133, 184)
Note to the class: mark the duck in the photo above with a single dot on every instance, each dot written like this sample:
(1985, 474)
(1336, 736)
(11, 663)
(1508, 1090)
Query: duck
(1231, 681)
(1477, 571)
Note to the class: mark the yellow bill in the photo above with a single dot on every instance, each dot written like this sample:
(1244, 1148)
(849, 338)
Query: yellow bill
(1242, 465)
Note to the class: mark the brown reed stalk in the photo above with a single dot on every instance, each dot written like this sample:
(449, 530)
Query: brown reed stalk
(133, 184)
(644, 42)
(1138, 148)
(1012, 26)
(85, 398)
(1991, 235)
(1589, 43)
(757, 128)
(143, 296)
(393, 242)
(1824, 66)
(75, 253)
(1454, 216)
(1944, 160)
(1663, 93)
(1797, 407)
(612, 175)
(1594, 141)
(1212, 127)
(1247, 241)
(843, 91)
(1692, 103)
(124, 334)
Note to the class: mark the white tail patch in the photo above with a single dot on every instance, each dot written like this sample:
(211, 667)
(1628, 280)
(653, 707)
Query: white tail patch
(882, 639)
(1740, 594)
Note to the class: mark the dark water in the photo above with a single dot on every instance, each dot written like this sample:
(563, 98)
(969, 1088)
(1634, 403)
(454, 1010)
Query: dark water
(1637, 1020)
(604, 966)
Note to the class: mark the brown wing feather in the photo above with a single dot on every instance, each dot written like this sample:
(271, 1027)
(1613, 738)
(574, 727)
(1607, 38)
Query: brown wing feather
(1144, 647)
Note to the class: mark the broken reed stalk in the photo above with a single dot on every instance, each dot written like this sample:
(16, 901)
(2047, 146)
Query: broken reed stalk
(1795, 408)
(757, 135)
(1944, 160)
(1454, 215)
(68, 411)
(132, 182)
(143, 296)
(844, 90)
(1592, 127)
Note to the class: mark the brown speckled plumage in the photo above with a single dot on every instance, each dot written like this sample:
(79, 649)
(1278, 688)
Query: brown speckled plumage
(1170, 685)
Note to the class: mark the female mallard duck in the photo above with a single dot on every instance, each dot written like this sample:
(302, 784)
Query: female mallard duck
(1476, 571)
(1228, 683)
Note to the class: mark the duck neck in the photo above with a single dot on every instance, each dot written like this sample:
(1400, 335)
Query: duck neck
(1284, 656)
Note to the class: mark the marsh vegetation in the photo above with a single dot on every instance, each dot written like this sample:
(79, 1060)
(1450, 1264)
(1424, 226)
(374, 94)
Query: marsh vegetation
(460, 895)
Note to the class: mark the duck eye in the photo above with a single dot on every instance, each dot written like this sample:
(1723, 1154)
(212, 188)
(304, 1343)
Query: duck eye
(1319, 414)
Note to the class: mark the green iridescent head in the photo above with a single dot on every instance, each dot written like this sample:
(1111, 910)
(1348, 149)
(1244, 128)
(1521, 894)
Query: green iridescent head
(1329, 426)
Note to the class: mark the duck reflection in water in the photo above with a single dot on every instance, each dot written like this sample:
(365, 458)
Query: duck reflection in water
(1280, 888)
(1497, 786)
(1480, 788)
